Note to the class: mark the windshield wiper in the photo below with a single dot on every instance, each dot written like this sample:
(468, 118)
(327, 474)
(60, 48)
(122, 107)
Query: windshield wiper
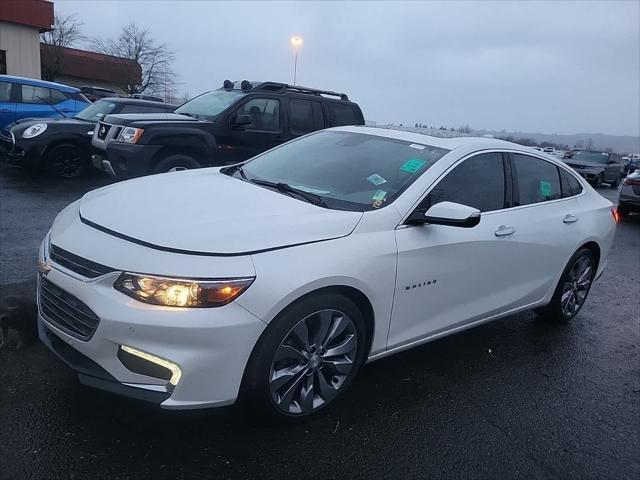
(192, 115)
(286, 188)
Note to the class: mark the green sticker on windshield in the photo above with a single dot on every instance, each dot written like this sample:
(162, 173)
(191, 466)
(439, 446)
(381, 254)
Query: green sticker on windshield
(413, 165)
(379, 195)
(545, 188)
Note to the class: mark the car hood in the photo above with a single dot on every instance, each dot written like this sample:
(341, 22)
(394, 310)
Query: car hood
(147, 118)
(582, 163)
(207, 212)
(26, 122)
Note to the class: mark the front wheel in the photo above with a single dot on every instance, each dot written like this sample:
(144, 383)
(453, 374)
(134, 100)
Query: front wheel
(176, 163)
(307, 358)
(573, 288)
(66, 161)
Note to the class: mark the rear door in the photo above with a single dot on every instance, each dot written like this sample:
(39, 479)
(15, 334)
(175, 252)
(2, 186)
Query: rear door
(545, 229)
(305, 116)
(613, 168)
(33, 102)
(7, 103)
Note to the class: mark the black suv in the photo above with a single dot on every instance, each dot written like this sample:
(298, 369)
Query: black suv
(62, 146)
(225, 126)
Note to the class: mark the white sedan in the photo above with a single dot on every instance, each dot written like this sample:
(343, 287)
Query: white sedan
(274, 280)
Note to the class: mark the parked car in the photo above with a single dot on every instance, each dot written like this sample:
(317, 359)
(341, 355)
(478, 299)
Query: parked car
(228, 125)
(629, 199)
(598, 167)
(274, 280)
(96, 93)
(62, 146)
(25, 97)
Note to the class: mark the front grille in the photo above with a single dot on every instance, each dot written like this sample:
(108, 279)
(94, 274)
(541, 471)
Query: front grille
(7, 139)
(65, 311)
(77, 264)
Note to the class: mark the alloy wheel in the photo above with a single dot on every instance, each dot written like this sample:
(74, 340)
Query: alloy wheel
(313, 361)
(576, 286)
(67, 162)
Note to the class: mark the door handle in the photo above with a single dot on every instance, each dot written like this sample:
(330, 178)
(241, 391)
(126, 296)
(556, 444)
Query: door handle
(503, 231)
(569, 218)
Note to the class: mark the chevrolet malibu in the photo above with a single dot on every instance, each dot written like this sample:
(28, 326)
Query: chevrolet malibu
(273, 281)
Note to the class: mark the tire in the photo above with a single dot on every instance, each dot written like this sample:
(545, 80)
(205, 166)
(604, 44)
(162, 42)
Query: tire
(176, 162)
(615, 183)
(292, 374)
(66, 161)
(558, 310)
(597, 183)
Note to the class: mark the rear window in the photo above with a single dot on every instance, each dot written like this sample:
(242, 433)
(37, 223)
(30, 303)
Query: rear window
(536, 180)
(5, 92)
(344, 114)
(305, 116)
(570, 185)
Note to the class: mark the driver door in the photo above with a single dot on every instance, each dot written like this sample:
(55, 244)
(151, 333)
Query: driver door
(264, 132)
(449, 276)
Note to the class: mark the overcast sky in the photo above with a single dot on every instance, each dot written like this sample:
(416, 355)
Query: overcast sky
(550, 67)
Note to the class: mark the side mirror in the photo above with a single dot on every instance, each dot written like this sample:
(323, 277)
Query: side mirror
(241, 120)
(447, 213)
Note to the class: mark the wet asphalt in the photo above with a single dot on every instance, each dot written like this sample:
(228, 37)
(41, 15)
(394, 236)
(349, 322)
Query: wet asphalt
(516, 398)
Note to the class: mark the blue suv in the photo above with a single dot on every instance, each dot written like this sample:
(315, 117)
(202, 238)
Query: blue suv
(25, 97)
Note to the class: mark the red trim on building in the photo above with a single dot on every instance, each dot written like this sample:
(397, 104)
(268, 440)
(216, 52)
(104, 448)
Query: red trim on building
(97, 66)
(31, 13)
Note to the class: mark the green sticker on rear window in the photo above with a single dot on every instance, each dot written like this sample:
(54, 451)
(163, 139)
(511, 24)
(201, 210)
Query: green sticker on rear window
(545, 188)
(413, 165)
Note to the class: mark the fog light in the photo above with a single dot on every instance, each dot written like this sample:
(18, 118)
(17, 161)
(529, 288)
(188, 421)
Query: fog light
(172, 367)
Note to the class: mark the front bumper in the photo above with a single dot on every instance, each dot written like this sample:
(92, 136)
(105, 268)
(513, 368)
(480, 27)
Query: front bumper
(22, 153)
(125, 160)
(211, 346)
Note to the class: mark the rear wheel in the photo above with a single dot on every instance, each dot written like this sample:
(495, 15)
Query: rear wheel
(307, 358)
(66, 161)
(176, 163)
(573, 288)
(598, 181)
(615, 183)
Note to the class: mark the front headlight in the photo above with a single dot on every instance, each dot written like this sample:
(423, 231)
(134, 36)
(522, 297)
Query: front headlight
(172, 292)
(34, 130)
(130, 135)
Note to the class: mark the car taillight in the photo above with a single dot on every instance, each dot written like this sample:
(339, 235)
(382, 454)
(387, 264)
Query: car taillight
(616, 215)
(631, 181)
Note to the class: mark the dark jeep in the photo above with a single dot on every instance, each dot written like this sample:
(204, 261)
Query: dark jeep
(220, 127)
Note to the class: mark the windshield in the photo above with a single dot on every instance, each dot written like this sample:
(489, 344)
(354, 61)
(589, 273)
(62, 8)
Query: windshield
(96, 111)
(595, 157)
(209, 104)
(349, 171)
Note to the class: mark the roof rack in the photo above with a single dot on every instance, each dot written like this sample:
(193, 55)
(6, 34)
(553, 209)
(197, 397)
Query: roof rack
(281, 87)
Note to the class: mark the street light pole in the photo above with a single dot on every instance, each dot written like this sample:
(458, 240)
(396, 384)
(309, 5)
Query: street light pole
(296, 43)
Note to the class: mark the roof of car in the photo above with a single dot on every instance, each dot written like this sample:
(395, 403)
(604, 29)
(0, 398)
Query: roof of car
(38, 83)
(448, 143)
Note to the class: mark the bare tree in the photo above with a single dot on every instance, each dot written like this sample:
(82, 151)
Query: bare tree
(67, 32)
(138, 49)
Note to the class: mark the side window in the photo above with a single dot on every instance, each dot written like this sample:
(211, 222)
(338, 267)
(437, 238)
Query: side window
(31, 94)
(344, 114)
(5, 92)
(477, 182)
(570, 185)
(535, 180)
(56, 96)
(264, 113)
(301, 116)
